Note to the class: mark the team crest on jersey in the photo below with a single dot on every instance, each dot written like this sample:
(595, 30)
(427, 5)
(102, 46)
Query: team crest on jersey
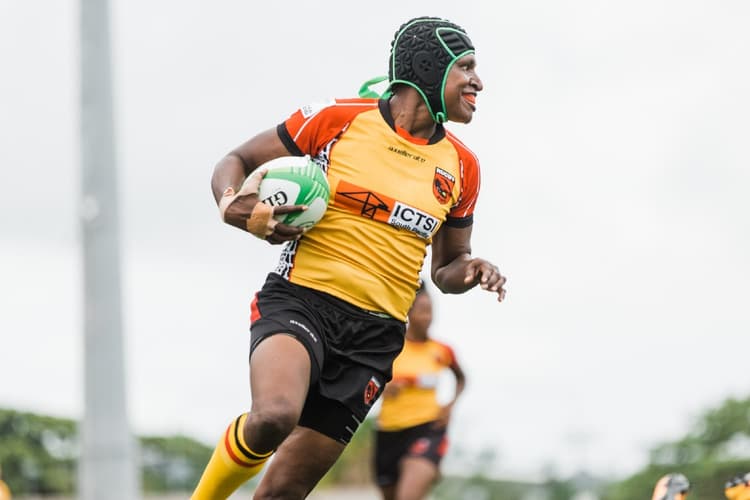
(373, 386)
(442, 185)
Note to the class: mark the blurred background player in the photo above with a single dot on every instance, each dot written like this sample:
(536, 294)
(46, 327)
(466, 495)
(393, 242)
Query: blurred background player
(411, 437)
(330, 319)
(738, 488)
(4, 490)
(673, 486)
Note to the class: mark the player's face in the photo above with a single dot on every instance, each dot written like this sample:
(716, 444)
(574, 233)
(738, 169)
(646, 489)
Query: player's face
(420, 315)
(461, 89)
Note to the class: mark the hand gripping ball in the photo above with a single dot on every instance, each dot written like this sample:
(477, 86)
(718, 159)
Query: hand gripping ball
(295, 180)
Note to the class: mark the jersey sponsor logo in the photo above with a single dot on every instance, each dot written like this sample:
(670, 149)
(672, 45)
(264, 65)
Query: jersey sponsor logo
(310, 109)
(382, 208)
(365, 203)
(414, 220)
(406, 154)
(371, 390)
(442, 185)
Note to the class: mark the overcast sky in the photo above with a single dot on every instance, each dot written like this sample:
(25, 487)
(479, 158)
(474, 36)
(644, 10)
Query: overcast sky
(613, 139)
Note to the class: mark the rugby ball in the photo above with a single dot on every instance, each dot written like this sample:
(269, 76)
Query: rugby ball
(295, 180)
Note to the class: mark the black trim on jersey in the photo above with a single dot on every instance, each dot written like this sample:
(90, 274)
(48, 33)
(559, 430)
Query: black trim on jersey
(459, 222)
(385, 110)
(286, 138)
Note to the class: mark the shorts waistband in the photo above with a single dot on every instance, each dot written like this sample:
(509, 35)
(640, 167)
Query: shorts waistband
(332, 298)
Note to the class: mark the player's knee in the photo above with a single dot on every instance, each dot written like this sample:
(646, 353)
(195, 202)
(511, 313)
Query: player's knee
(273, 421)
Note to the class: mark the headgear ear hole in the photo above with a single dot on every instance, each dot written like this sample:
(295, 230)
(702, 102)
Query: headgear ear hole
(424, 65)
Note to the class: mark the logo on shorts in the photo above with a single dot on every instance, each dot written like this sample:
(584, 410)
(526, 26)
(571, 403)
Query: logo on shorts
(442, 185)
(419, 447)
(305, 328)
(373, 386)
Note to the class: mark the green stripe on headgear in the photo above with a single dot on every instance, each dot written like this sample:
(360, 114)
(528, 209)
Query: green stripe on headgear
(422, 53)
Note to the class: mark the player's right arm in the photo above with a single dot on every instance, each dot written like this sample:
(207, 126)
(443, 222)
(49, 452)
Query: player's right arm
(235, 189)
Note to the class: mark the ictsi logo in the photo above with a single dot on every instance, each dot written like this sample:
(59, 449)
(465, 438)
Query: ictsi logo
(382, 208)
(413, 219)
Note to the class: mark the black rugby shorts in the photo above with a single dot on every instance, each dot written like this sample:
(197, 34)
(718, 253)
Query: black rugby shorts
(422, 440)
(351, 351)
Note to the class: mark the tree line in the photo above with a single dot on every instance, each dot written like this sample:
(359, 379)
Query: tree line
(38, 455)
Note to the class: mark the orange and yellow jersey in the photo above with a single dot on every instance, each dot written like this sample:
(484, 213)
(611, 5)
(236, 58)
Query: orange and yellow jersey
(415, 371)
(390, 193)
(739, 491)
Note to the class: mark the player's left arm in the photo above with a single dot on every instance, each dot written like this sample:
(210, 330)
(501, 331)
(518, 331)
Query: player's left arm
(454, 270)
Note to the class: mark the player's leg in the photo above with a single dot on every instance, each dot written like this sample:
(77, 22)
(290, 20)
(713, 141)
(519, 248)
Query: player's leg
(388, 492)
(280, 376)
(325, 428)
(299, 463)
(418, 475)
(419, 469)
(279, 381)
(389, 449)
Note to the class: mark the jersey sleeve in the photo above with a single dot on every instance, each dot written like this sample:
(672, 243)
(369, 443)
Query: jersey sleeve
(462, 213)
(313, 126)
(447, 355)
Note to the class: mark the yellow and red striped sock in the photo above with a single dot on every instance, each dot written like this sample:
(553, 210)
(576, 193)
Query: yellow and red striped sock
(231, 464)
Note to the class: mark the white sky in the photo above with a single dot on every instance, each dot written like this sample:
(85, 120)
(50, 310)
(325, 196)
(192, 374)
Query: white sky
(614, 143)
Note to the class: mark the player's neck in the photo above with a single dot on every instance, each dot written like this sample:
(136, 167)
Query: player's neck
(413, 336)
(410, 113)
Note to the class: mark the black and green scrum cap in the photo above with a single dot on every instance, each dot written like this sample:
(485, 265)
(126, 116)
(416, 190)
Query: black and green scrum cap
(422, 52)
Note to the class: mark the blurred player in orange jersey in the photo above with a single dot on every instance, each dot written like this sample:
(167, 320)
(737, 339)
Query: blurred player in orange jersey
(4, 490)
(673, 486)
(738, 488)
(411, 437)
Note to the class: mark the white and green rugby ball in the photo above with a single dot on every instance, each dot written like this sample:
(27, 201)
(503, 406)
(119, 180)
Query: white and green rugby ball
(295, 180)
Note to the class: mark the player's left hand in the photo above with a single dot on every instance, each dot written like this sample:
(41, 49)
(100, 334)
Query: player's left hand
(283, 233)
(486, 275)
